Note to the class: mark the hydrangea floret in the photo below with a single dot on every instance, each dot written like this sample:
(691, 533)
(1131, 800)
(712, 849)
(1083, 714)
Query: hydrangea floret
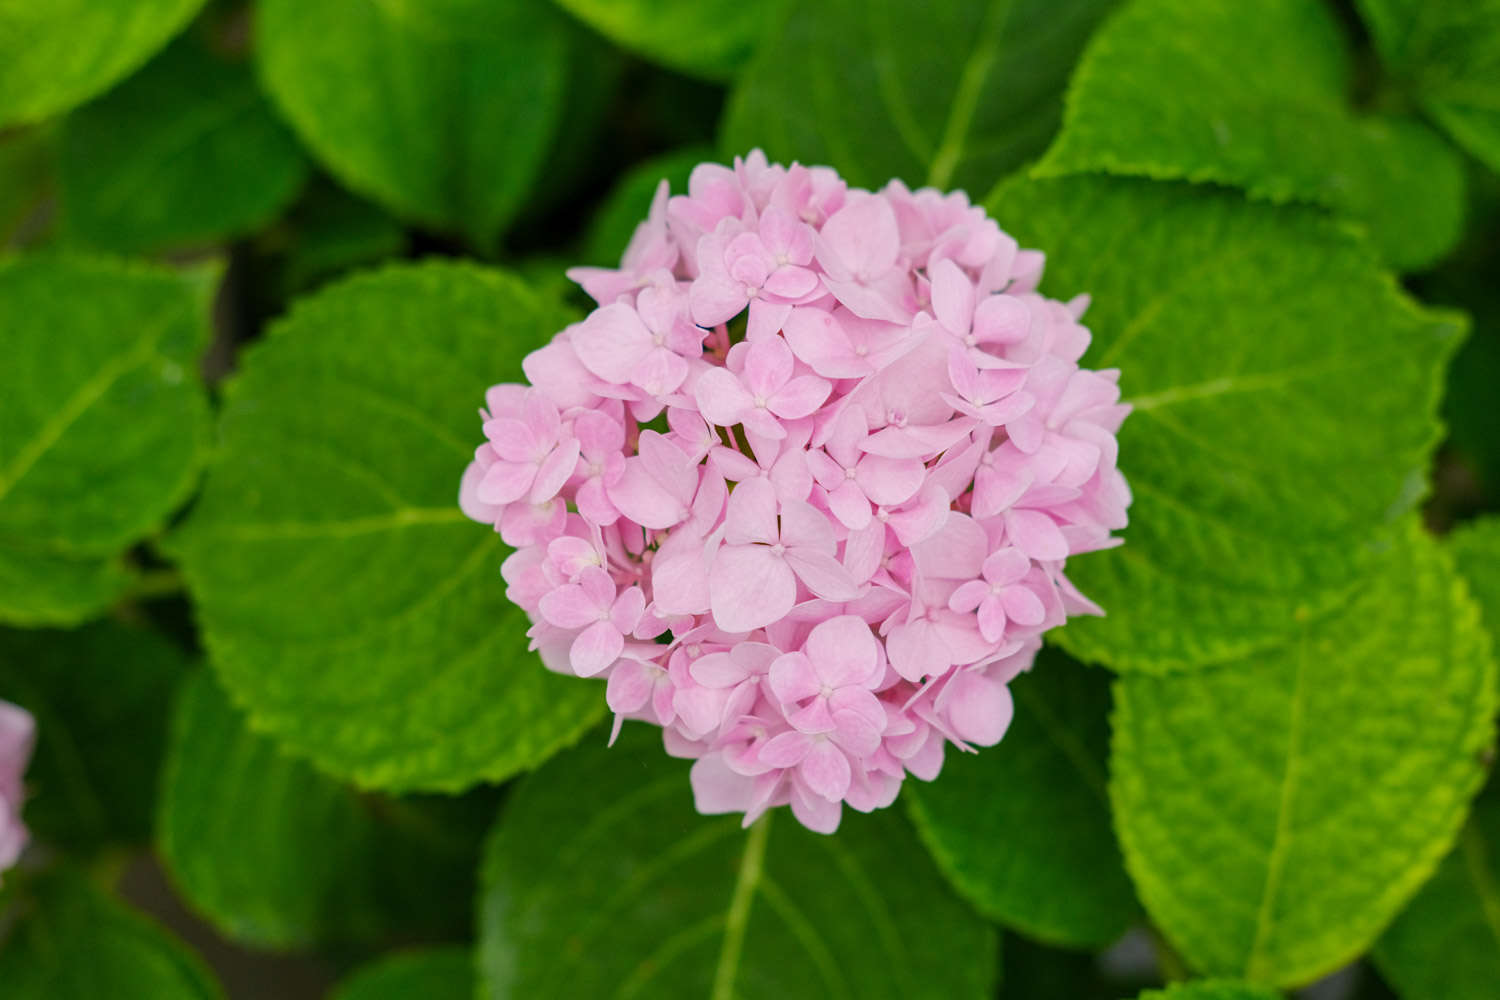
(803, 487)
(17, 737)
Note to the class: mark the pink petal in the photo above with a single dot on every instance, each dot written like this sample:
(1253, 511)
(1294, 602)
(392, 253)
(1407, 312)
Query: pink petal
(629, 687)
(843, 651)
(814, 812)
(824, 575)
(628, 609)
(659, 372)
(952, 297)
(596, 648)
(978, 708)
(555, 470)
(720, 397)
(991, 618)
(1002, 319)
(969, 596)
(890, 481)
(1023, 606)
(786, 750)
(768, 366)
(793, 678)
(505, 482)
(955, 552)
(825, 769)
(717, 670)
(849, 505)
(854, 732)
(799, 397)
(569, 607)
(861, 240)
(611, 341)
(803, 527)
(1036, 534)
(749, 587)
(751, 514)
(641, 498)
(716, 298)
(717, 789)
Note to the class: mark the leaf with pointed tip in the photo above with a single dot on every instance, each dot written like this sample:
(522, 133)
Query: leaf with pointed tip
(71, 942)
(1023, 830)
(276, 855)
(601, 880)
(1446, 54)
(103, 423)
(1164, 91)
(948, 93)
(58, 54)
(437, 974)
(1278, 811)
(97, 694)
(187, 151)
(349, 606)
(1285, 394)
(442, 112)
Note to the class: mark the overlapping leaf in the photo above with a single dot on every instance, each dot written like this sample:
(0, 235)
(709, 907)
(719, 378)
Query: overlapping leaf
(439, 974)
(103, 423)
(630, 201)
(442, 112)
(1023, 831)
(1284, 394)
(73, 943)
(601, 880)
(60, 53)
(1256, 96)
(186, 151)
(1278, 811)
(346, 602)
(1446, 54)
(708, 38)
(97, 694)
(949, 93)
(278, 856)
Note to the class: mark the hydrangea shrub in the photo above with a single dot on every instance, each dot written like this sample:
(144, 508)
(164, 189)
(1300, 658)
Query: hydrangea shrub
(1082, 407)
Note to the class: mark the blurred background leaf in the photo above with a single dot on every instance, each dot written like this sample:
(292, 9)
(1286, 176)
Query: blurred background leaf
(185, 152)
(708, 38)
(103, 423)
(60, 53)
(439, 974)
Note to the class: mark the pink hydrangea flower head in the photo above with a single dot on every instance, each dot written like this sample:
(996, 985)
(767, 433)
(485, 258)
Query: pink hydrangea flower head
(802, 489)
(17, 737)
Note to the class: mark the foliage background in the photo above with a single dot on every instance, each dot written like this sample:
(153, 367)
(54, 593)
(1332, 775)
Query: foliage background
(260, 262)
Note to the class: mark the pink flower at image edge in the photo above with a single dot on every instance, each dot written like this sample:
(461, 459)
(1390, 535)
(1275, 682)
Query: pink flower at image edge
(802, 489)
(17, 737)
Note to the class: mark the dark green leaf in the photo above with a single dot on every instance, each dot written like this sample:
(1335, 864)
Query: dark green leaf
(70, 942)
(186, 151)
(97, 694)
(602, 881)
(440, 974)
(1211, 989)
(349, 606)
(1256, 96)
(103, 423)
(949, 93)
(1476, 548)
(707, 38)
(1446, 54)
(1278, 811)
(331, 231)
(57, 54)
(26, 166)
(442, 112)
(1447, 943)
(276, 855)
(1023, 830)
(1284, 395)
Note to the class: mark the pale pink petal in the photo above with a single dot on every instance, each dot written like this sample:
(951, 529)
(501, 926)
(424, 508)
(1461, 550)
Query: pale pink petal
(596, 648)
(815, 812)
(991, 618)
(1023, 606)
(720, 397)
(824, 575)
(629, 687)
(849, 505)
(569, 607)
(717, 789)
(1036, 534)
(799, 397)
(554, 471)
(717, 670)
(749, 587)
(968, 597)
(768, 366)
(611, 341)
(854, 732)
(643, 500)
(751, 514)
(843, 651)
(786, 750)
(793, 678)
(505, 482)
(952, 297)
(978, 708)
(825, 769)
(890, 481)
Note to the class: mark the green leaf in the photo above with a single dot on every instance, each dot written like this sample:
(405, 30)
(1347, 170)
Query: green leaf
(1446, 54)
(1277, 812)
(58, 54)
(331, 231)
(601, 881)
(1023, 830)
(1284, 394)
(630, 201)
(442, 112)
(438, 974)
(276, 855)
(102, 425)
(707, 38)
(347, 603)
(27, 161)
(186, 151)
(97, 693)
(948, 93)
(1211, 989)
(1476, 549)
(1255, 96)
(1447, 942)
(70, 942)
